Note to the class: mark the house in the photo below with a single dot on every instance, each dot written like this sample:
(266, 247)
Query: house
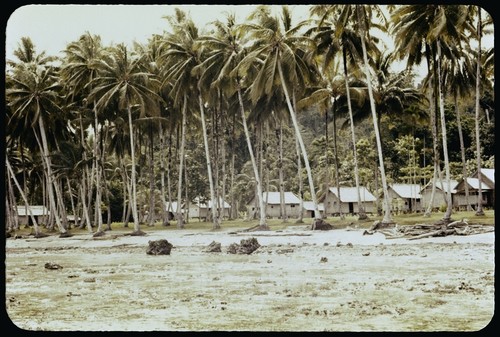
(487, 177)
(405, 197)
(487, 190)
(272, 205)
(39, 212)
(199, 209)
(348, 200)
(172, 209)
(440, 194)
(308, 209)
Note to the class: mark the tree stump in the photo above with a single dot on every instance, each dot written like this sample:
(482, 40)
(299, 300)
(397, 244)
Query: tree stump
(214, 247)
(246, 246)
(321, 225)
(159, 247)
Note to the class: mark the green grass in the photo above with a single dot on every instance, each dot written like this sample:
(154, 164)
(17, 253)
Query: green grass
(278, 224)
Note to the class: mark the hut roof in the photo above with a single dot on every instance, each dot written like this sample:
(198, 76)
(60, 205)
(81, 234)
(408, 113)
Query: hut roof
(273, 198)
(309, 206)
(350, 194)
(489, 174)
(442, 185)
(35, 210)
(407, 191)
(204, 205)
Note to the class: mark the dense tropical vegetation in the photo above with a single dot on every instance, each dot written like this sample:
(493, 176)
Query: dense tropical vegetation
(227, 111)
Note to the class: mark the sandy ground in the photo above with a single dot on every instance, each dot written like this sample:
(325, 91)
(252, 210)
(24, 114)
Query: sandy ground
(298, 280)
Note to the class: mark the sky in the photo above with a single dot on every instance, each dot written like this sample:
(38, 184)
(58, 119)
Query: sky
(52, 27)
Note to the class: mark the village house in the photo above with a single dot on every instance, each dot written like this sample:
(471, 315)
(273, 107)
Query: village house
(272, 205)
(348, 200)
(308, 209)
(201, 210)
(405, 197)
(172, 209)
(440, 194)
(487, 190)
(39, 212)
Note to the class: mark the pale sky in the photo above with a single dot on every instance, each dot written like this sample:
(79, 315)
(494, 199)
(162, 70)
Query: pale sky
(52, 27)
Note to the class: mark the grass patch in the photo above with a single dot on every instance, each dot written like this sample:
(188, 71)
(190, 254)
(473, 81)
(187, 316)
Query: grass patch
(278, 224)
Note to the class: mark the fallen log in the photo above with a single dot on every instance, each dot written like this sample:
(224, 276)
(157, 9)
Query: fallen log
(458, 223)
(419, 231)
(439, 232)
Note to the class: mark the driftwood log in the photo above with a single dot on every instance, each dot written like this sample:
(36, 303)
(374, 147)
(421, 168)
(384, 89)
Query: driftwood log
(419, 231)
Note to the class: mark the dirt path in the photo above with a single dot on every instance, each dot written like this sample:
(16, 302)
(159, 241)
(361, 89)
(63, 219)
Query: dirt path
(297, 280)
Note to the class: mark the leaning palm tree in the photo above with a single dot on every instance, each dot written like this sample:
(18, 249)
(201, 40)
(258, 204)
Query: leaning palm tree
(279, 49)
(363, 14)
(32, 98)
(121, 80)
(12, 176)
(222, 71)
(326, 97)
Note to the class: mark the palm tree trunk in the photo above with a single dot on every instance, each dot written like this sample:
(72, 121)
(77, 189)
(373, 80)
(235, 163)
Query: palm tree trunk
(462, 153)
(387, 211)
(447, 215)
(169, 186)
(85, 210)
(164, 210)
(11, 205)
(299, 174)
(479, 210)
(11, 215)
(35, 224)
(133, 178)
(279, 134)
(180, 220)
(260, 197)
(105, 185)
(234, 211)
(215, 219)
(61, 204)
(361, 210)
(50, 178)
(336, 158)
(152, 213)
(97, 157)
(317, 215)
(435, 152)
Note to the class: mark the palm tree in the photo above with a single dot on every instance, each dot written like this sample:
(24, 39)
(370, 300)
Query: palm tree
(363, 15)
(458, 80)
(12, 175)
(410, 26)
(32, 97)
(181, 58)
(80, 68)
(222, 68)
(122, 80)
(277, 49)
(326, 97)
(479, 210)
(438, 27)
(337, 35)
